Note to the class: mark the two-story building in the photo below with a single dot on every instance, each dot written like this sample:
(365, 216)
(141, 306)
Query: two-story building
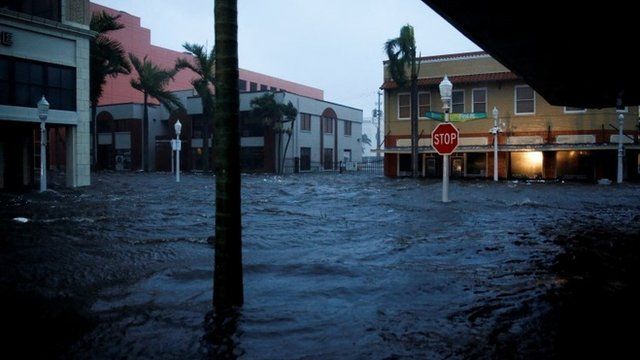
(323, 136)
(537, 140)
(44, 50)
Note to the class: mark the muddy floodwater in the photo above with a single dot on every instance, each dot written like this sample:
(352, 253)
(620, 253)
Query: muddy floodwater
(335, 266)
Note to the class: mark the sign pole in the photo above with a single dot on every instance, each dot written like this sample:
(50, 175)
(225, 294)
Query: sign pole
(445, 167)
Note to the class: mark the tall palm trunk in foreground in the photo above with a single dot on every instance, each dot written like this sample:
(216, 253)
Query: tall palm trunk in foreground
(228, 283)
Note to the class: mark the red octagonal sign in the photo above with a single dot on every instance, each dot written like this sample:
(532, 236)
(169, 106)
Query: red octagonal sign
(444, 138)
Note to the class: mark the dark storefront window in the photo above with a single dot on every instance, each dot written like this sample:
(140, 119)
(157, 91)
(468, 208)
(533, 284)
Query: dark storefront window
(264, 88)
(250, 126)
(476, 164)
(48, 9)
(253, 86)
(24, 82)
(252, 158)
(328, 159)
(305, 158)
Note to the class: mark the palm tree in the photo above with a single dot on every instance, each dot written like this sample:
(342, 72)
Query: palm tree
(290, 113)
(203, 64)
(152, 82)
(401, 52)
(227, 283)
(107, 58)
(274, 116)
(364, 140)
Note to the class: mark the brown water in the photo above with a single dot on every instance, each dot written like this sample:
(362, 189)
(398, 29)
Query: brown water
(336, 266)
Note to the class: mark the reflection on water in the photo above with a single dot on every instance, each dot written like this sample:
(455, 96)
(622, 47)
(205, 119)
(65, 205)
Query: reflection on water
(336, 265)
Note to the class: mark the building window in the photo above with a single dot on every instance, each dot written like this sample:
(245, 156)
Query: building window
(250, 126)
(404, 106)
(273, 88)
(479, 101)
(264, 88)
(525, 100)
(305, 122)
(457, 101)
(24, 82)
(305, 159)
(571, 109)
(47, 9)
(242, 85)
(253, 86)
(327, 125)
(424, 103)
(347, 128)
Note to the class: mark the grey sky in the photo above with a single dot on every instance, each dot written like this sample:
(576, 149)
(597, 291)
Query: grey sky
(334, 45)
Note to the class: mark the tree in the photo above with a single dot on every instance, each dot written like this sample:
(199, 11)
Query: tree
(228, 283)
(401, 52)
(152, 82)
(274, 116)
(107, 58)
(203, 65)
(364, 140)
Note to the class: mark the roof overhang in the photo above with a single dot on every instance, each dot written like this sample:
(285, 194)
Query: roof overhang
(580, 55)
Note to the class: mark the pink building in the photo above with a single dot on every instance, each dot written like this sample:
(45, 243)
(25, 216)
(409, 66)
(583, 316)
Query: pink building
(137, 40)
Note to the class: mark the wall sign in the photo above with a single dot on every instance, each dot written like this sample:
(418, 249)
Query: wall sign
(6, 38)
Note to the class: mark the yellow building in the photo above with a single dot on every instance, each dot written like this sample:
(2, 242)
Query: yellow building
(537, 140)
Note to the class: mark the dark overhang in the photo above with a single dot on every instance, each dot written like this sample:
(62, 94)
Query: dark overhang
(575, 54)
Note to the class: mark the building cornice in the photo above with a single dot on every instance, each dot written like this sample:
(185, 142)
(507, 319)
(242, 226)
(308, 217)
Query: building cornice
(46, 23)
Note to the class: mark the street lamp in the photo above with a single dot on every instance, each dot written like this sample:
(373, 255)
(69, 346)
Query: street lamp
(495, 130)
(620, 148)
(446, 88)
(178, 128)
(43, 113)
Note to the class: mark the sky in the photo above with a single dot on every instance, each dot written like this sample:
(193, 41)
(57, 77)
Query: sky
(334, 45)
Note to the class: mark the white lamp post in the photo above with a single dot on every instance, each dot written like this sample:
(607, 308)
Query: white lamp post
(620, 149)
(446, 88)
(178, 128)
(495, 130)
(43, 113)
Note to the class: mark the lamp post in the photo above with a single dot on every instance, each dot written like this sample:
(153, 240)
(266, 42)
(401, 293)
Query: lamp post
(446, 88)
(178, 128)
(495, 130)
(620, 149)
(43, 113)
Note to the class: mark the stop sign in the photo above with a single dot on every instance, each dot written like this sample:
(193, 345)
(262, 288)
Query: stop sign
(444, 138)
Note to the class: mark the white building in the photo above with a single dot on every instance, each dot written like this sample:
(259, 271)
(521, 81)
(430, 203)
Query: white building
(44, 51)
(324, 135)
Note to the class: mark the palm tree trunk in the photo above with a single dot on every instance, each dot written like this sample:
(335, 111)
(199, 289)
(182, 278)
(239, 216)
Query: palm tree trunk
(228, 282)
(143, 136)
(414, 125)
(280, 150)
(205, 141)
(286, 148)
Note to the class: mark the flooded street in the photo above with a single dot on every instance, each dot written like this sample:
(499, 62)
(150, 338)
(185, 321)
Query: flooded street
(336, 266)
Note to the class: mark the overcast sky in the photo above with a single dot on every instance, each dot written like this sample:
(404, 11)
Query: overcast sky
(334, 45)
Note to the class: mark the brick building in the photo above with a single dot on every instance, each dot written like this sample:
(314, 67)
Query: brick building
(538, 140)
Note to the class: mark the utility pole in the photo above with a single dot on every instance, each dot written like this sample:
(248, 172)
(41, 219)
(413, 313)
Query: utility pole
(379, 116)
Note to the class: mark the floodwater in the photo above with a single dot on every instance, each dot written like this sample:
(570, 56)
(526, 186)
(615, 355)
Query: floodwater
(335, 266)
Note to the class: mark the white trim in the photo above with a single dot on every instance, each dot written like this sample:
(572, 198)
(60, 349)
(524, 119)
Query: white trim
(626, 110)
(398, 106)
(584, 110)
(486, 99)
(463, 99)
(515, 100)
(454, 58)
(430, 107)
